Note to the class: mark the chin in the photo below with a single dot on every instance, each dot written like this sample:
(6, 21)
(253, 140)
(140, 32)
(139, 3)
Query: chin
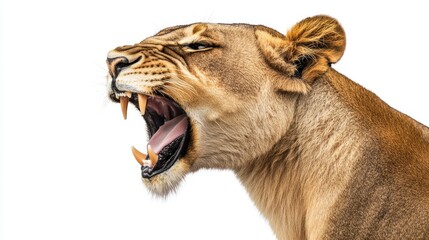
(167, 182)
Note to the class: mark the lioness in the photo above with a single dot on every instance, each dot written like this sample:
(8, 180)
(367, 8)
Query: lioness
(322, 157)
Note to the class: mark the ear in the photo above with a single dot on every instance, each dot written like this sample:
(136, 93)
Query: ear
(313, 45)
(305, 53)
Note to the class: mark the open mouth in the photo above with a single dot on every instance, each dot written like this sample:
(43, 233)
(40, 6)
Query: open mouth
(168, 129)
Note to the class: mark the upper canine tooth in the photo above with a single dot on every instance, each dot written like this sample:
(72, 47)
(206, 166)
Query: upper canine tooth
(152, 155)
(128, 94)
(124, 106)
(140, 157)
(142, 103)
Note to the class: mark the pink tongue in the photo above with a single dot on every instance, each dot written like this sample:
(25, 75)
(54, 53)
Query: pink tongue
(168, 132)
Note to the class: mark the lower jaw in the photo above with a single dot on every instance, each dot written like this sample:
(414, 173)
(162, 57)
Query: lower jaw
(163, 184)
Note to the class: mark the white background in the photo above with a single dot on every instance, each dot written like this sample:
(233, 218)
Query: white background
(66, 167)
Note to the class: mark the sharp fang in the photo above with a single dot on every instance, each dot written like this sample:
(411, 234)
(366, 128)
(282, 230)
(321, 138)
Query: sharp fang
(128, 94)
(140, 157)
(142, 103)
(152, 155)
(124, 106)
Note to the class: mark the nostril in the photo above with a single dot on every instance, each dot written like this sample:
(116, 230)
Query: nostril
(116, 64)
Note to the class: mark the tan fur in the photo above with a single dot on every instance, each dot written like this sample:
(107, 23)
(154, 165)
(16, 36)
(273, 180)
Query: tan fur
(322, 157)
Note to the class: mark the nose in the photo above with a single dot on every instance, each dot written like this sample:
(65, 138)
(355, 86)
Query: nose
(116, 64)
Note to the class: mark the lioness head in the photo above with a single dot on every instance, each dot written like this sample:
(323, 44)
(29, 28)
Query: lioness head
(216, 95)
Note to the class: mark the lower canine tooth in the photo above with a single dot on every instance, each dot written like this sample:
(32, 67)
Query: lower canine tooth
(124, 106)
(142, 103)
(140, 157)
(152, 155)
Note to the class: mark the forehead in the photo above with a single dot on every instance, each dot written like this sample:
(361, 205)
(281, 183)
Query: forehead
(203, 30)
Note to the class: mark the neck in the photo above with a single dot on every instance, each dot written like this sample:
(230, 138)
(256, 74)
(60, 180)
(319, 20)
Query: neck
(298, 181)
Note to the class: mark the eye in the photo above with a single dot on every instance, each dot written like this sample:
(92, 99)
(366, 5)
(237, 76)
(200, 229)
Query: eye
(197, 46)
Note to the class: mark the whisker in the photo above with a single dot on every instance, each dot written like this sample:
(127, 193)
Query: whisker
(173, 88)
(184, 84)
(182, 87)
(222, 129)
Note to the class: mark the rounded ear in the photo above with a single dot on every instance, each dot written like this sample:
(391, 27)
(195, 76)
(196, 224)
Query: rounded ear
(305, 53)
(313, 45)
